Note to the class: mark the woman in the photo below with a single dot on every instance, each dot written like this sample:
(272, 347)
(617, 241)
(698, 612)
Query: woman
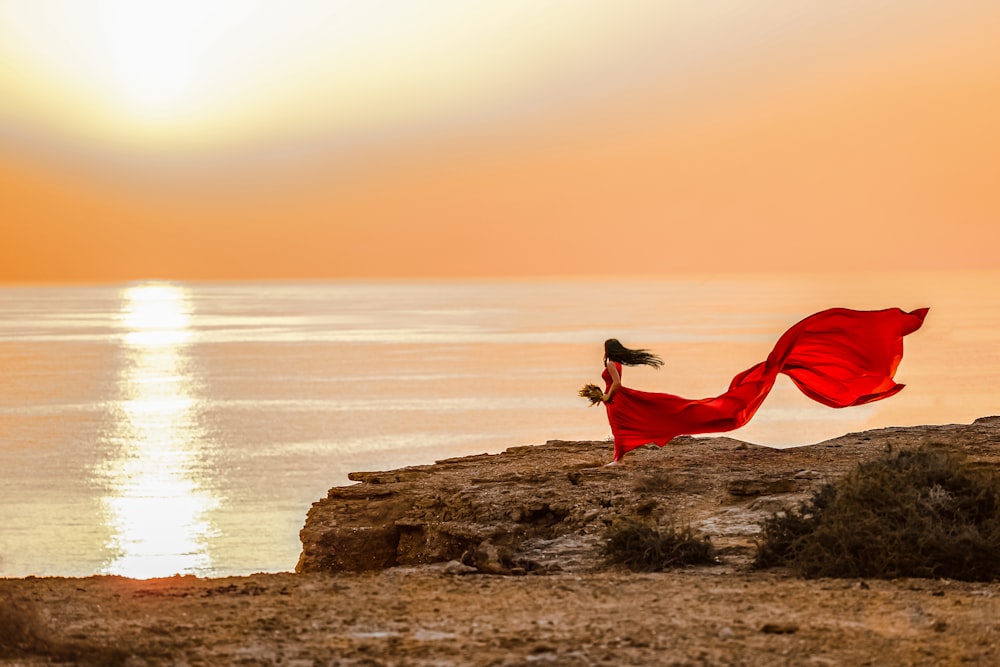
(616, 355)
(838, 357)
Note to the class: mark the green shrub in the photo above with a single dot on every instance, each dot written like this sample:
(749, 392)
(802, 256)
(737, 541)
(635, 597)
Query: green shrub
(646, 547)
(926, 512)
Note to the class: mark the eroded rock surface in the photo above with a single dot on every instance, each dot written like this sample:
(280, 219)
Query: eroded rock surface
(543, 508)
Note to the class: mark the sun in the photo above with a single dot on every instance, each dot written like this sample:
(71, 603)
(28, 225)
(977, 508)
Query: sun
(122, 68)
(152, 56)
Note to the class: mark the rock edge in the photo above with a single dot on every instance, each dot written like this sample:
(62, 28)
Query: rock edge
(543, 508)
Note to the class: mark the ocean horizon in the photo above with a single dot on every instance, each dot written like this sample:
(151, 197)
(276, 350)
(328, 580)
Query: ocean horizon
(163, 427)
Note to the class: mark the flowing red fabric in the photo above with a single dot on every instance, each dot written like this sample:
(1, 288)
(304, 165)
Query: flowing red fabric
(839, 357)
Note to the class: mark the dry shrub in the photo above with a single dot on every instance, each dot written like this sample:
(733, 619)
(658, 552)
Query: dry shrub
(21, 628)
(647, 547)
(657, 482)
(23, 633)
(918, 513)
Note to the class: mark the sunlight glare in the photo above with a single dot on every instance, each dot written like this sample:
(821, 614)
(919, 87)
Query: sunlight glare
(189, 73)
(156, 314)
(157, 504)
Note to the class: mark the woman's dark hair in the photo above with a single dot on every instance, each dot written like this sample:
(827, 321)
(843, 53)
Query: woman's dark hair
(615, 351)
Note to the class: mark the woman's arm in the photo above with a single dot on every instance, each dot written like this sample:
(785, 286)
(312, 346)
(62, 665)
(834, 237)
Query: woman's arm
(616, 381)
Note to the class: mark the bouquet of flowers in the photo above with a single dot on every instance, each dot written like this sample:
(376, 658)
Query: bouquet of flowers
(592, 393)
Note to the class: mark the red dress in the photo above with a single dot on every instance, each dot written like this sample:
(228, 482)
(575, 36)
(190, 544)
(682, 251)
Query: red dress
(838, 357)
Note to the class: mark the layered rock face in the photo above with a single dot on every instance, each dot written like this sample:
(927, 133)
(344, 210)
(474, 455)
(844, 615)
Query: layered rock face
(543, 508)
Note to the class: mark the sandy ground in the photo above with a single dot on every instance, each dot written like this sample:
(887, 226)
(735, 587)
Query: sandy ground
(712, 615)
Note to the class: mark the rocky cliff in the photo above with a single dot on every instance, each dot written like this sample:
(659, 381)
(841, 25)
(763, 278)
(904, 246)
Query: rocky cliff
(543, 508)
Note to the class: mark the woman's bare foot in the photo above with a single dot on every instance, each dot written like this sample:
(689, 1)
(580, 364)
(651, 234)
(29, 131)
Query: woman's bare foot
(616, 462)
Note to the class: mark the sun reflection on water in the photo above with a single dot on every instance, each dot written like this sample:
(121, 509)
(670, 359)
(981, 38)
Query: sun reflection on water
(156, 505)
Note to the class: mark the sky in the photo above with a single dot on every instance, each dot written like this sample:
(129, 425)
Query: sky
(236, 139)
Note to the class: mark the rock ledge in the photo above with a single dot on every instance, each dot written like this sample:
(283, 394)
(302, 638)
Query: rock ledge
(537, 509)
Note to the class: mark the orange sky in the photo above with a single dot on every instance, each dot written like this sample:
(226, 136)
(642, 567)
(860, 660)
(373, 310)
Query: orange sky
(757, 136)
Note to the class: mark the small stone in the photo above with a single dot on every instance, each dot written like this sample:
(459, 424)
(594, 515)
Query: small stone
(779, 628)
(726, 633)
(456, 567)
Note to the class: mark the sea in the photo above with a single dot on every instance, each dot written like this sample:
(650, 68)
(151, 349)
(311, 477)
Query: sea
(157, 428)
